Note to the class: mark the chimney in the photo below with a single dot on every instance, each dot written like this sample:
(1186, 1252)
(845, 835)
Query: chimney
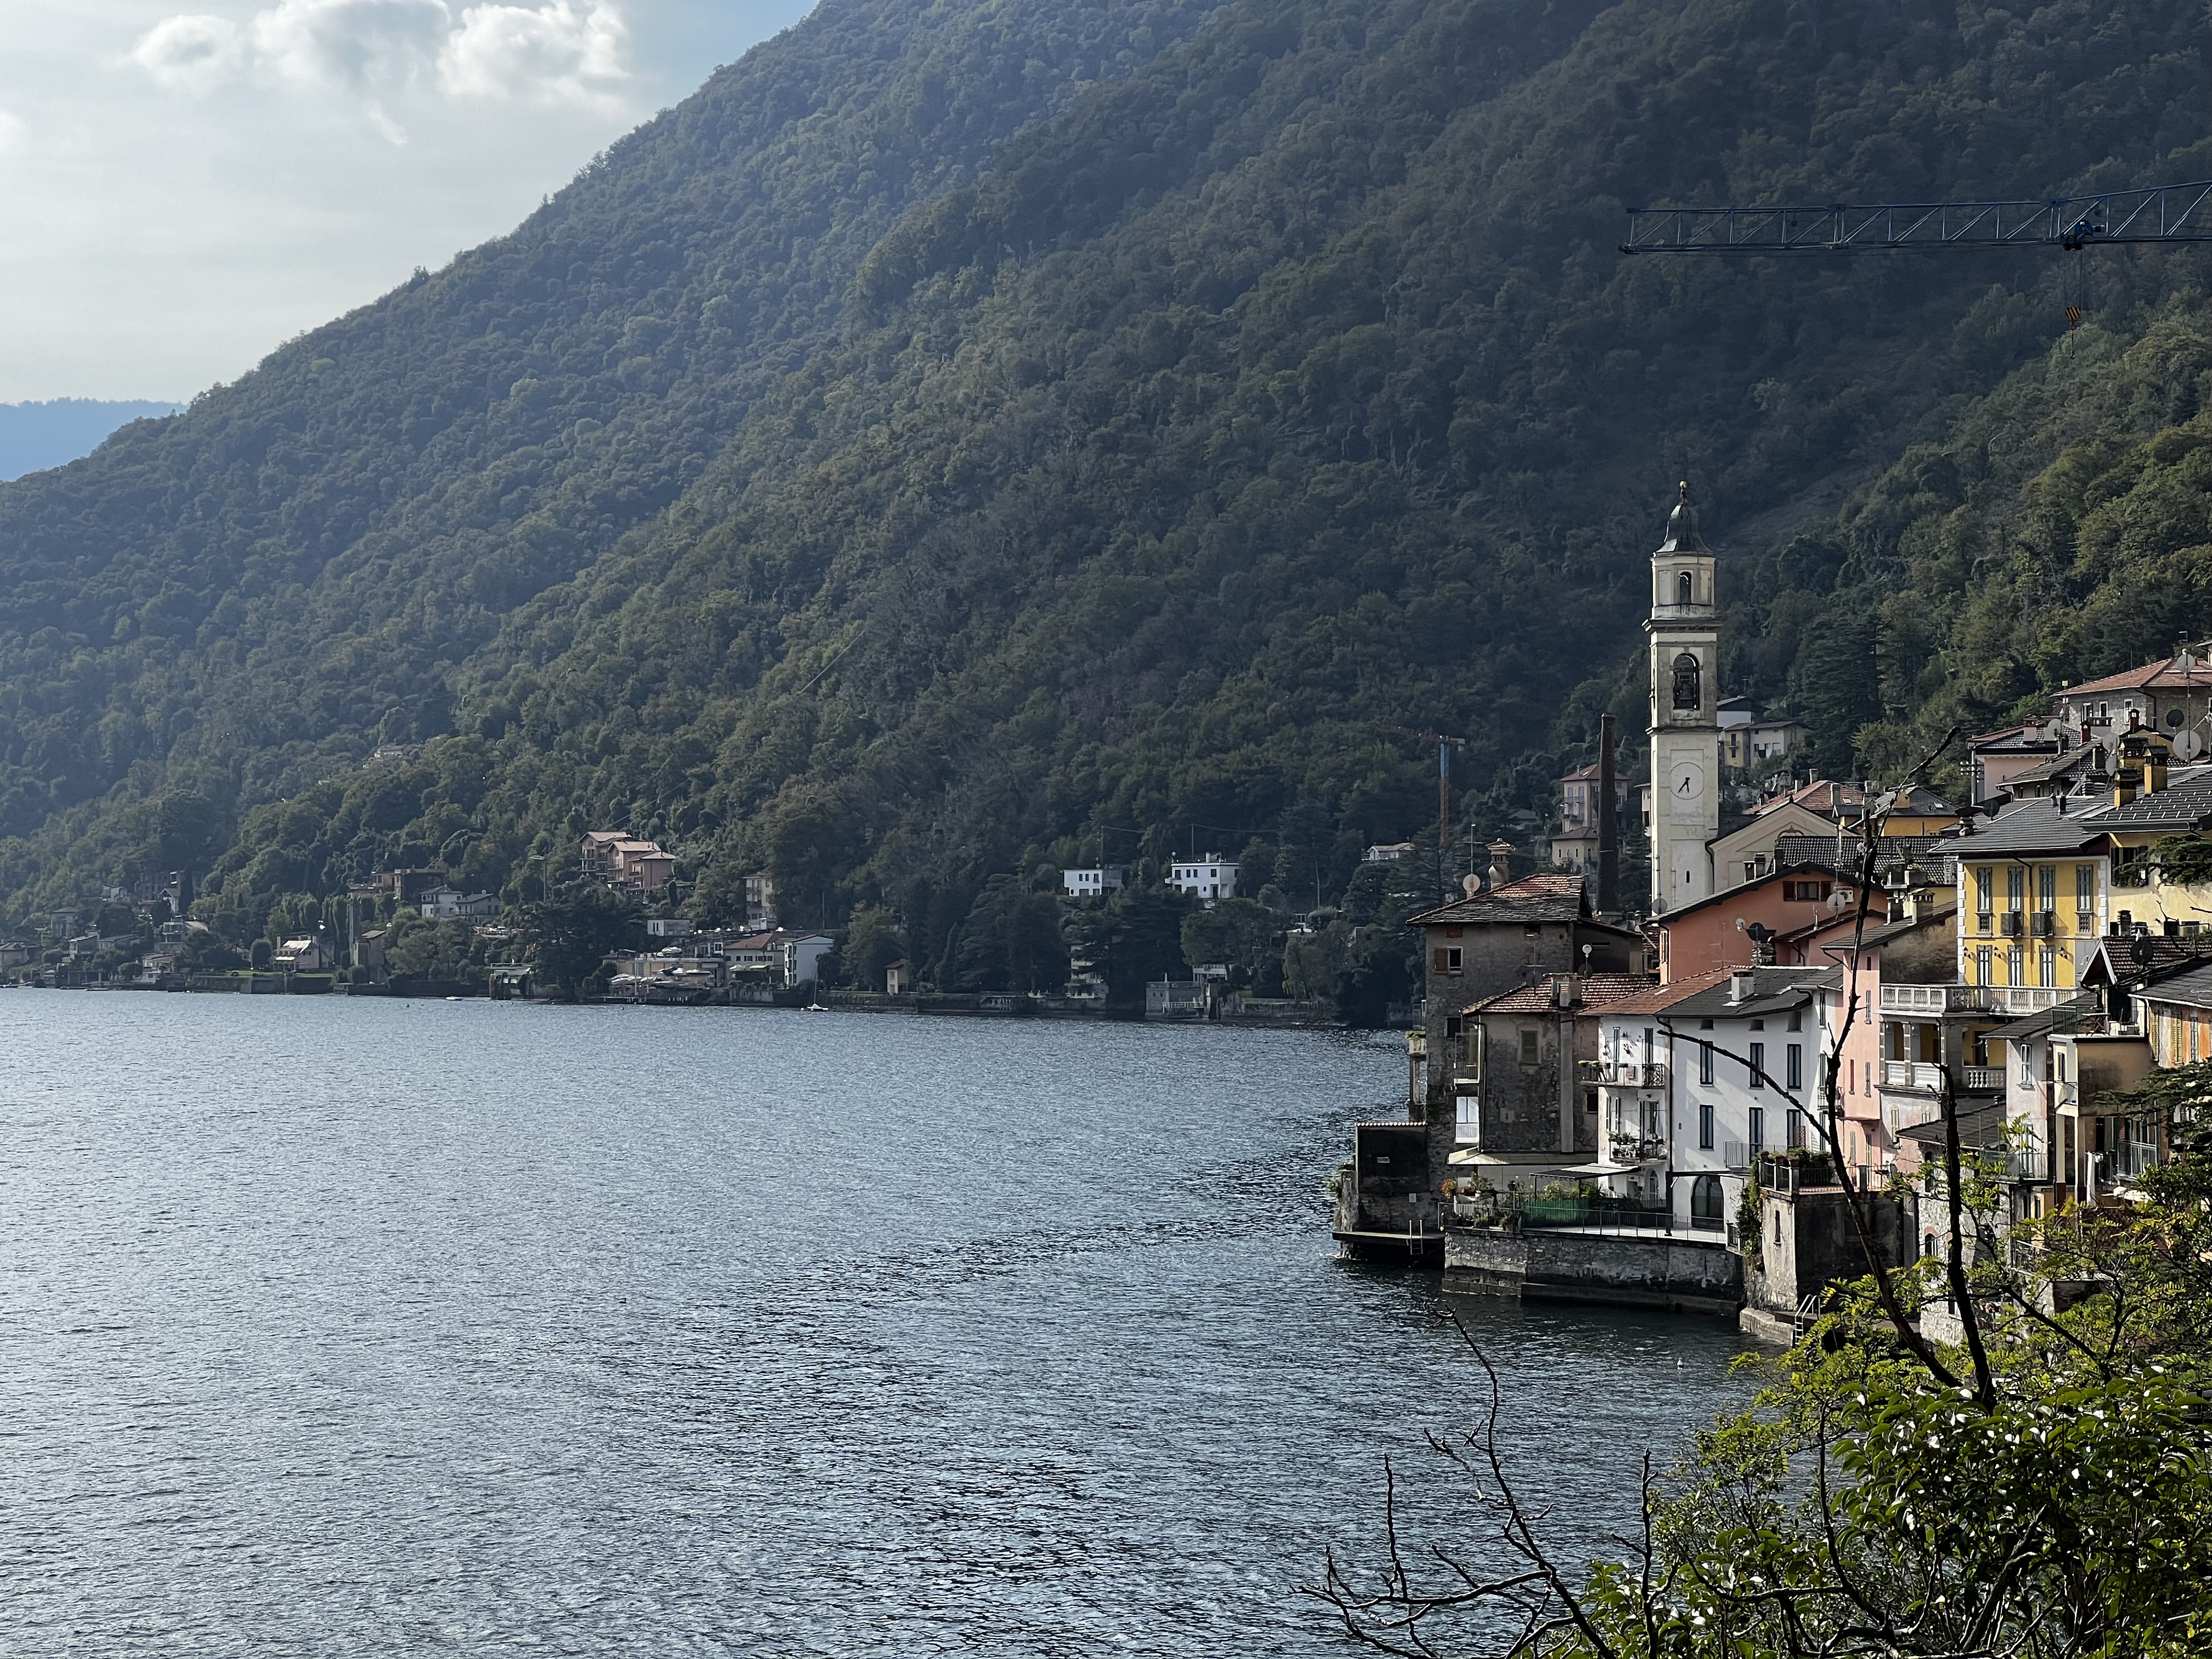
(1608, 822)
(1501, 863)
(2124, 783)
(1566, 991)
(1742, 984)
(1834, 808)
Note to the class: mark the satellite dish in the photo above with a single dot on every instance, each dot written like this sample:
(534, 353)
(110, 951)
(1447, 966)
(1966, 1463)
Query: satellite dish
(2188, 745)
(1838, 901)
(1739, 924)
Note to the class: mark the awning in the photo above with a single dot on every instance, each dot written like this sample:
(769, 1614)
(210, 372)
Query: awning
(1599, 1169)
(1471, 1156)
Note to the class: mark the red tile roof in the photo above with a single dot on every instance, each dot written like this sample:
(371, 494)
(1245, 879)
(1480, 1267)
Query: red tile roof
(2162, 675)
(1598, 990)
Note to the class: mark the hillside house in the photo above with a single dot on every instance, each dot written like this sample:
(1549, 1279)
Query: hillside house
(1095, 882)
(1211, 878)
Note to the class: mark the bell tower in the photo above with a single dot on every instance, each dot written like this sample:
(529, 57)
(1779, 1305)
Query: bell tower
(1686, 737)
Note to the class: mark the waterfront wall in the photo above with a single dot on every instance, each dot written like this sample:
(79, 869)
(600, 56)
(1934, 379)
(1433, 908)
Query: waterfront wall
(1683, 1275)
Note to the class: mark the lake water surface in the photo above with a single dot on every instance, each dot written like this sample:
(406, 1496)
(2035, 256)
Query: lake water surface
(389, 1327)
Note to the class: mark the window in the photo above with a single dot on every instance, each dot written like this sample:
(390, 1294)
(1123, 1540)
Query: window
(1757, 1065)
(1982, 968)
(1685, 589)
(1984, 896)
(1706, 1127)
(1796, 1019)
(2015, 966)
(2085, 887)
(2046, 968)
(1793, 1064)
(1758, 1127)
(1793, 1126)
(2015, 887)
(1705, 1064)
(2047, 887)
(1806, 892)
(1452, 960)
(1527, 1048)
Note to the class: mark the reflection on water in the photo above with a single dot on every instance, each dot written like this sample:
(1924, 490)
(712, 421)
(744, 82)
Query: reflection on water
(391, 1327)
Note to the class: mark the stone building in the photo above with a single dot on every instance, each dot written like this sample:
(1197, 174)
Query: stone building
(1528, 1087)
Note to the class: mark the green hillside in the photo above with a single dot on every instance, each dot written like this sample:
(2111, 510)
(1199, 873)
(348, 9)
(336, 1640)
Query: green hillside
(961, 439)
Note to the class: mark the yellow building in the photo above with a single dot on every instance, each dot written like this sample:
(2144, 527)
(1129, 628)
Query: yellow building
(2033, 887)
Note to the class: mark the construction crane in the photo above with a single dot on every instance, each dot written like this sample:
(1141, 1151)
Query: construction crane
(2161, 214)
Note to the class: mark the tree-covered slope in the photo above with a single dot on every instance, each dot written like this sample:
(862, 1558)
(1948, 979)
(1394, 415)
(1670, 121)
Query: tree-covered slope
(1156, 449)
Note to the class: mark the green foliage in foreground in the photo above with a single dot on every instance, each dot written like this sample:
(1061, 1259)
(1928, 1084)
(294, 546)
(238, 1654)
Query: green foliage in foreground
(2042, 1491)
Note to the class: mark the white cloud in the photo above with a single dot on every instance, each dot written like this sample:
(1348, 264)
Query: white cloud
(371, 47)
(556, 54)
(384, 51)
(192, 54)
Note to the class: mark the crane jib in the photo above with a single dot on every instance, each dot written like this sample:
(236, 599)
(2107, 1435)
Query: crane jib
(2163, 213)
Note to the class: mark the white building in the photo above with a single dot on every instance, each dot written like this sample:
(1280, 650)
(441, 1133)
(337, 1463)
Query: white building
(670, 927)
(1210, 877)
(1091, 883)
(1696, 1078)
(450, 904)
(1389, 851)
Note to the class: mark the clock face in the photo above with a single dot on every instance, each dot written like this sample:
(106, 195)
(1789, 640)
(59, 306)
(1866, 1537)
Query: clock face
(1689, 782)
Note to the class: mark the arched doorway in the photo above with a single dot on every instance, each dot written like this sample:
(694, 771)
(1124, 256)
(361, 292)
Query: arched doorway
(1705, 1202)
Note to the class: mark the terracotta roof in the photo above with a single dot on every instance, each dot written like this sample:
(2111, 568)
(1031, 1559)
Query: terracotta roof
(1596, 991)
(1785, 873)
(1545, 897)
(1659, 998)
(2165, 674)
(1814, 796)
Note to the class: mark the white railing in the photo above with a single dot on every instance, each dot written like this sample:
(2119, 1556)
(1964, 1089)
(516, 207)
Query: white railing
(1969, 999)
(1984, 1079)
(1627, 1074)
(1912, 1074)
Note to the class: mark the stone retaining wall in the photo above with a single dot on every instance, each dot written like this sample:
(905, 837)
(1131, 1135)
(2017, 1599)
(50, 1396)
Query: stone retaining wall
(1681, 1275)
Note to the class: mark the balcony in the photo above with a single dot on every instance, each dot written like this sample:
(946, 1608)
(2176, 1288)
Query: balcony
(1913, 1074)
(1940, 999)
(1622, 1074)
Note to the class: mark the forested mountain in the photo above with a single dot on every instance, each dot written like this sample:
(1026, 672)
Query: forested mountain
(969, 436)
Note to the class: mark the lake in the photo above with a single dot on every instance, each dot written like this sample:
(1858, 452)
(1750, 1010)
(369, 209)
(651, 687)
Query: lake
(384, 1328)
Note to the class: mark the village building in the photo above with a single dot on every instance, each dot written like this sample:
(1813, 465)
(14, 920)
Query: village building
(1575, 843)
(2171, 696)
(1388, 852)
(1095, 882)
(625, 862)
(299, 956)
(447, 903)
(1211, 878)
(1525, 1092)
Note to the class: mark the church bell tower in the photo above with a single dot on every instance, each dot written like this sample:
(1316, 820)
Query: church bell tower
(1686, 737)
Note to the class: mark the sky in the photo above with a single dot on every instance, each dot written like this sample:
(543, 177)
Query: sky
(189, 183)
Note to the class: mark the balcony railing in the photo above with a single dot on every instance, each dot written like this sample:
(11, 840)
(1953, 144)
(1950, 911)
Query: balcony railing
(1622, 1074)
(1969, 999)
(1912, 1074)
(1982, 1079)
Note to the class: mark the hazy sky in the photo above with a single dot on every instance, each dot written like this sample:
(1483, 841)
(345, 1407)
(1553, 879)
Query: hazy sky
(187, 183)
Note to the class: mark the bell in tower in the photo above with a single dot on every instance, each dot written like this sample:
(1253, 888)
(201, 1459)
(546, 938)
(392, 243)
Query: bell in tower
(1685, 740)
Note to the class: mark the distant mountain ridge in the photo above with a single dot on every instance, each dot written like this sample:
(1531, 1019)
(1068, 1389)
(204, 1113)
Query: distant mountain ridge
(962, 434)
(35, 436)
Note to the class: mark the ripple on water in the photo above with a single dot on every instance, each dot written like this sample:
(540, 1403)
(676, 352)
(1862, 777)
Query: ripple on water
(336, 1327)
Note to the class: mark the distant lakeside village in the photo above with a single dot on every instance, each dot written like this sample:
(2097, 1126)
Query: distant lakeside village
(1673, 1099)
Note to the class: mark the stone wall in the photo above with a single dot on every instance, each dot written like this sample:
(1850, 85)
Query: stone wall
(1683, 1275)
(1809, 1243)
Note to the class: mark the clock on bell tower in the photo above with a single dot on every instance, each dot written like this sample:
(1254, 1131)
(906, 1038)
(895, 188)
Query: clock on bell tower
(1686, 738)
